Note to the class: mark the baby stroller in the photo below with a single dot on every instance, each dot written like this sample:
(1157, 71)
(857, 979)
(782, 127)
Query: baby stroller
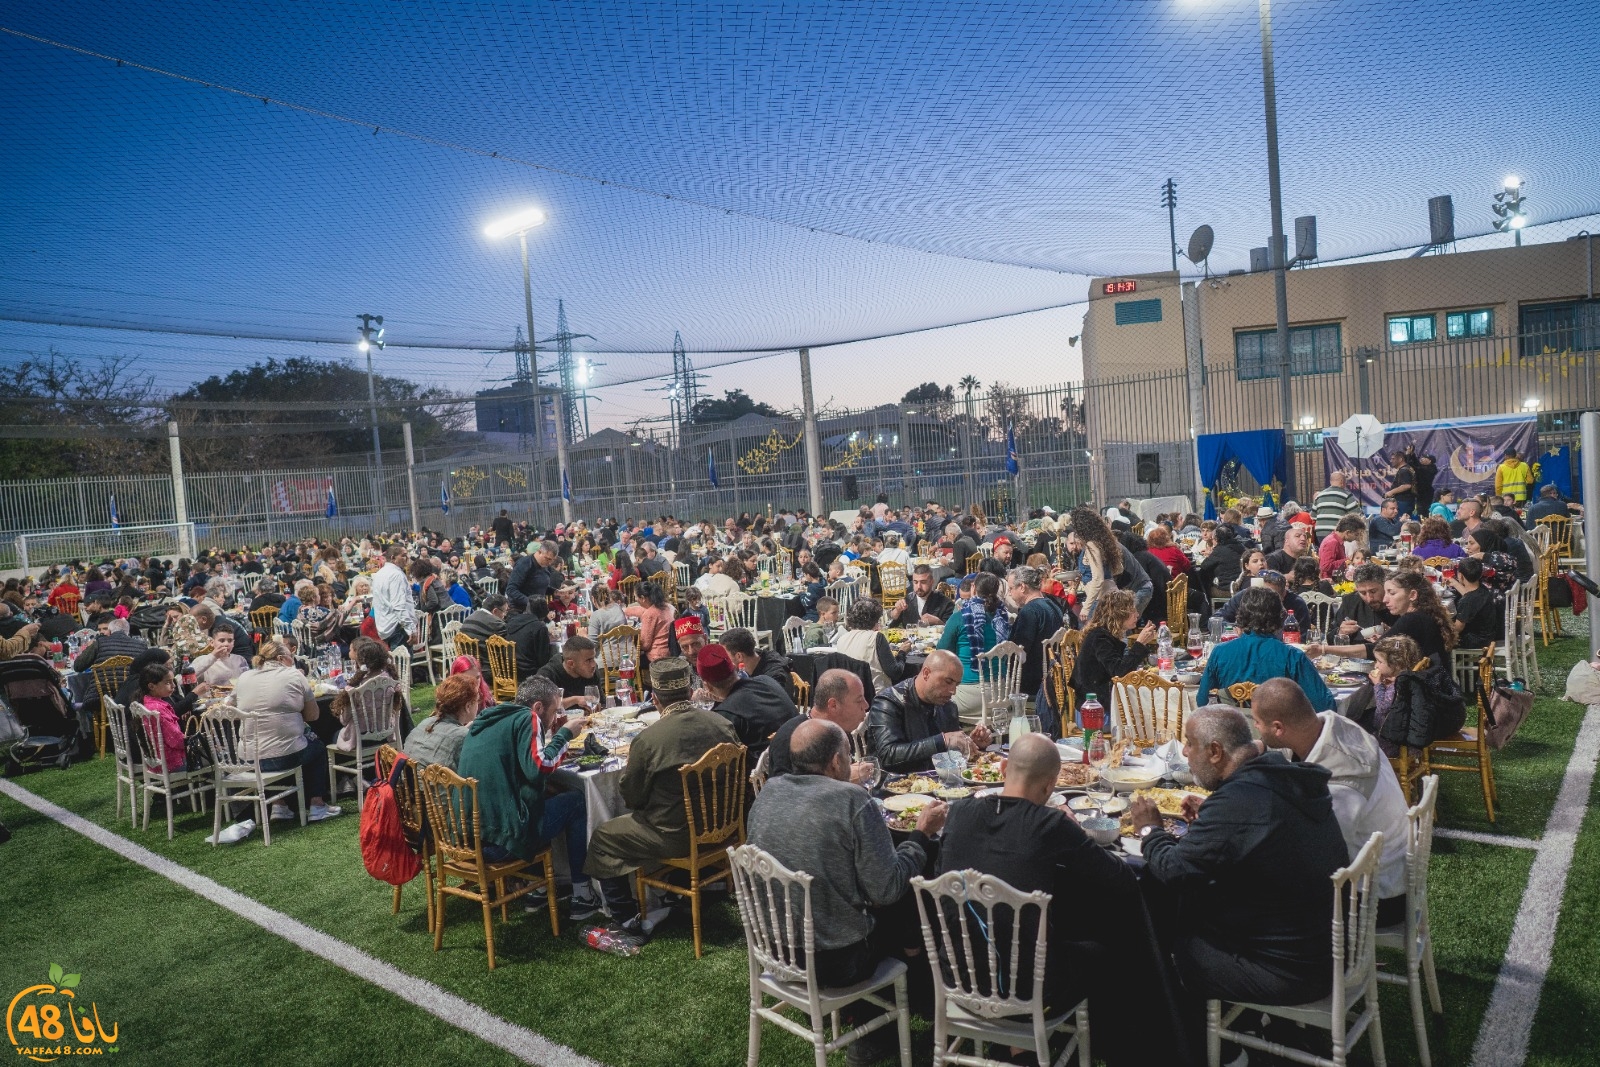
(37, 728)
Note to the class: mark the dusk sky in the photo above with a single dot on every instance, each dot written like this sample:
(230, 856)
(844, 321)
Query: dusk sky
(758, 176)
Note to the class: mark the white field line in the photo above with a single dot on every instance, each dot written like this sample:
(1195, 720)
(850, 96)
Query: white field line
(521, 1042)
(1477, 837)
(1508, 1022)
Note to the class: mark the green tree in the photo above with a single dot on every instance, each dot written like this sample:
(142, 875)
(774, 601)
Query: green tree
(929, 395)
(68, 417)
(734, 404)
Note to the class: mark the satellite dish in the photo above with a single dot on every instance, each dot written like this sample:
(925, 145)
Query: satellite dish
(1200, 244)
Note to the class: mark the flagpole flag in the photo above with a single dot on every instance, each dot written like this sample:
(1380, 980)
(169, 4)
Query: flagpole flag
(333, 505)
(444, 497)
(711, 462)
(116, 523)
(566, 489)
(1012, 467)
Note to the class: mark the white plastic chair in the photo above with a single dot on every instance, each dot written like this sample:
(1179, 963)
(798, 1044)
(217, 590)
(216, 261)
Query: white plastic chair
(775, 907)
(239, 777)
(488, 586)
(159, 778)
(999, 675)
(1414, 937)
(1323, 608)
(982, 1006)
(453, 613)
(763, 770)
(375, 721)
(123, 756)
(844, 593)
(1355, 978)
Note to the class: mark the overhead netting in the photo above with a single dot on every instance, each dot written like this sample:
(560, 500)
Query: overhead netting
(759, 176)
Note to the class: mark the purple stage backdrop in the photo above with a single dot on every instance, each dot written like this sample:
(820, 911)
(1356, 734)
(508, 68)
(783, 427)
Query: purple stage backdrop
(1466, 450)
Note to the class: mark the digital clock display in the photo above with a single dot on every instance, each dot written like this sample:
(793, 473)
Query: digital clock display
(1126, 285)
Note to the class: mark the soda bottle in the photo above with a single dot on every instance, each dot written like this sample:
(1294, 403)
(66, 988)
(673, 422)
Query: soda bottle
(1094, 718)
(598, 937)
(1164, 648)
(625, 672)
(1291, 628)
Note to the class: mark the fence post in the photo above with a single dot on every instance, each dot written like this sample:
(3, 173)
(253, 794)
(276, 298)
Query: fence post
(813, 446)
(1196, 370)
(1589, 426)
(411, 473)
(733, 461)
(266, 497)
(180, 499)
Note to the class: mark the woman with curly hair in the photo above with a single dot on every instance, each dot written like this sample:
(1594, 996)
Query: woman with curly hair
(1099, 556)
(1410, 598)
(1435, 540)
(1106, 651)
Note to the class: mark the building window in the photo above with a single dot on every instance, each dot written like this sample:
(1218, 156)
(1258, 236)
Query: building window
(1135, 312)
(1572, 324)
(1479, 323)
(1312, 350)
(1404, 329)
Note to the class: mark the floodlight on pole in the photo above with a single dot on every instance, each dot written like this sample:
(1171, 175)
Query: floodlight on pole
(372, 334)
(1509, 211)
(520, 223)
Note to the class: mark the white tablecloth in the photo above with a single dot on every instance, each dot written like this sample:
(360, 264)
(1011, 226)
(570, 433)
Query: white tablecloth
(602, 798)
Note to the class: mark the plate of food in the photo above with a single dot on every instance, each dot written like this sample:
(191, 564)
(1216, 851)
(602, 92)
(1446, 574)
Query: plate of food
(1170, 823)
(913, 783)
(1170, 801)
(985, 770)
(953, 792)
(1076, 776)
(902, 812)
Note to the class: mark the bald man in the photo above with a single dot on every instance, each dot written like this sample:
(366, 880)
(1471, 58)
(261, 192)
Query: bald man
(839, 698)
(913, 721)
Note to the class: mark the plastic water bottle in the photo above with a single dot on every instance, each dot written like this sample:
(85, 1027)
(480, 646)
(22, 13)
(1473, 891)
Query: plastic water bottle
(1291, 629)
(1093, 714)
(598, 937)
(1164, 648)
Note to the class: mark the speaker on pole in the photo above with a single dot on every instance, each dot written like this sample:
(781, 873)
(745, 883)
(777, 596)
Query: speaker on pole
(850, 487)
(1148, 467)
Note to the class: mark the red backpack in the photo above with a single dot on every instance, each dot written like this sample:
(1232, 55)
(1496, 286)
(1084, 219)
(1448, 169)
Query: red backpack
(384, 848)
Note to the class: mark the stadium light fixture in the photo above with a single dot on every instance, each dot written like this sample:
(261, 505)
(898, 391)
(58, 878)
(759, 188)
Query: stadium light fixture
(1531, 404)
(519, 222)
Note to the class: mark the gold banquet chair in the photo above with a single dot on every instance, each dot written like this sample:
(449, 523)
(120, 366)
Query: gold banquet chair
(892, 581)
(108, 674)
(456, 822)
(503, 666)
(615, 645)
(1471, 746)
(713, 795)
(408, 801)
(1147, 708)
(1242, 693)
(1178, 608)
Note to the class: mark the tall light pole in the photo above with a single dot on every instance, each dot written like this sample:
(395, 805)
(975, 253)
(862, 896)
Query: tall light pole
(519, 224)
(369, 338)
(1278, 251)
(1509, 213)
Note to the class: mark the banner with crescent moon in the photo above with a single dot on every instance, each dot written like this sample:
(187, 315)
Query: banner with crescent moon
(1467, 451)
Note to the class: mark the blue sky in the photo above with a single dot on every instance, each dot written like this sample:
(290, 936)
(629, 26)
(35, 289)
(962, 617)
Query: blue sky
(756, 175)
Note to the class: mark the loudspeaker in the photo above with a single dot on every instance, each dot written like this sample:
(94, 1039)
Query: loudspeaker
(850, 487)
(1148, 466)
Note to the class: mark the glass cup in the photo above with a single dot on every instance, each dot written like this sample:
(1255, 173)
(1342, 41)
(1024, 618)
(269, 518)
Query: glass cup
(1215, 624)
(874, 773)
(591, 698)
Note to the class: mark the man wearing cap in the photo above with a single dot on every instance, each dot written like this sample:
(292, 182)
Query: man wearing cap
(756, 707)
(691, 634)
(573, 671)
(999, 562)
(656, 826)
(1269, 529)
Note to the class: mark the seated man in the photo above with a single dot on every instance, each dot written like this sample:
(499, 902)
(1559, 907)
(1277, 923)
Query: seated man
(1551, 503)
(758, 662)
(116, 641)
(839, 698)
(1362, 615)
(1296, 542)
(220, 664)
(924, 603)
(529, 631)
(912, 721)
(489, 620)
(207, 617)
(573, 671)
(815, 821)
(1366, 793)
(755, 707)
(1252, 874)
(656, 826)
(1259, 653)
(511, 750)
(1278, 583)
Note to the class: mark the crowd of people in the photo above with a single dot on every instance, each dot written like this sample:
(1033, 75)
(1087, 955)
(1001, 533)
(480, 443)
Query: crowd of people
(1241, 903)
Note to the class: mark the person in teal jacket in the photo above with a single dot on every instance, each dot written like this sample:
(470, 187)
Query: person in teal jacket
(511, 749)
(1260, 653)
(978, 624)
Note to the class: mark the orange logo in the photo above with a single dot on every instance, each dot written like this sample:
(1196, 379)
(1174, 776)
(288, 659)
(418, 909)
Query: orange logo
(45, 1022)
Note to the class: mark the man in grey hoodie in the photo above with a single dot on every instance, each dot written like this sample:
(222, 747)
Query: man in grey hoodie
(1365, 791)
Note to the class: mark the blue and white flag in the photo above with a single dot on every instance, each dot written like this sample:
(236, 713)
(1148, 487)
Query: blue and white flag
(116, 522)
(711, 460)
(444, 497)
(566, 489)
(333, 505)
(1012, 467)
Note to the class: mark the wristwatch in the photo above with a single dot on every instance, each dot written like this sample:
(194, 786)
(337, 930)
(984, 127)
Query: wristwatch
(1145, 831)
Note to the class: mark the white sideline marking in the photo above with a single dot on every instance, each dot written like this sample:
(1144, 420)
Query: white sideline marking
(1480, 838)
(1508, 1022)
(521, 1042)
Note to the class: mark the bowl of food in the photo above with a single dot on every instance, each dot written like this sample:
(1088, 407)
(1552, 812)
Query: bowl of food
(1127, 779)
(1101, 830)
(1188, 677)
(1181, 773)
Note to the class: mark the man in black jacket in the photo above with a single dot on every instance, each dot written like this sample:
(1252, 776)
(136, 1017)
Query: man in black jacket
(529, 631)
(1252, 875)
(911, 722)
(574, 670)
(502, 528)
(489, 620)
(756, 707)
(1362, 612)
(758, 662)
(923, 604)
(535, 575)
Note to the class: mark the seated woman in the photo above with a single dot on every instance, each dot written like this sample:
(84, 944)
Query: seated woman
(654, 617)
(815, 588)
(469, 668)
(1260, 653)
(979, 623)
(1307, 578)
(1162, 547)
(607, 613)
(1436, 540)
(1410, 598)
(371, 659)
(155, 688)
(862, 639)
(1106, 652)
(438, 738)
(1255, 561)
(221, 664)
(458, 593)
(279, 700)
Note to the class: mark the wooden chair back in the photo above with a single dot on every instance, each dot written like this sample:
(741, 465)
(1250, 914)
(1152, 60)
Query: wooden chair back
(802, 691)
(973, 564)
(407, 788)
(465, 646)
(1146, 707)
(1178, 607)
(503, 666)
(668, 583)
(261, 620)
(892, 580)
(453, 817)
(152, 742)
(1436, 562)
(628, 589)
(1073, 640)
(1242, 693)
(68, 603)
(1560, 532)
(713, 797)
(615, 645)
(1060, 660)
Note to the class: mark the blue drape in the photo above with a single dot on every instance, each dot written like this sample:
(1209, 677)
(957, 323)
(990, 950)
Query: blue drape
(1261, 452)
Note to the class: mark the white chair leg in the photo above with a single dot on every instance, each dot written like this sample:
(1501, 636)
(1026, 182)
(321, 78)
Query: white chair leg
(754, 1056)
(1085, 1058)
(265, 811)
(300, 792)
(216, 818)
(168, 799)
(1432, 978)
(1419, 1020)
(1213, 1033)
(1375, 1031)
(903, 1022)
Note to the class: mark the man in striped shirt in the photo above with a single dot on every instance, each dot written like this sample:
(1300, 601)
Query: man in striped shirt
(1333, 504)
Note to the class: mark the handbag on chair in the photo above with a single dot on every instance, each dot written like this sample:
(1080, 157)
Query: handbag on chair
(1505, 709)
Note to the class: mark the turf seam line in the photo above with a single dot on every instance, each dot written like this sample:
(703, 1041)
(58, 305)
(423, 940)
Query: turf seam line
(521, 1042)
(1480, 838)
(1508, 1022)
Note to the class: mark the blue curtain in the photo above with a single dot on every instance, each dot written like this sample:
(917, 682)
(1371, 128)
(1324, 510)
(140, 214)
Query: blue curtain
(1261, 452)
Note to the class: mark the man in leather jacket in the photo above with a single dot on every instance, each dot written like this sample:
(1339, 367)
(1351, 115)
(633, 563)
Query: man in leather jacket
(912, 721)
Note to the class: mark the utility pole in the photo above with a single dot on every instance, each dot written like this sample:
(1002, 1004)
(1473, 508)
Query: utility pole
(369, 337)
(1278, 251)
(813, 446)
(1169, 200)
(411, 474)
(180, 500)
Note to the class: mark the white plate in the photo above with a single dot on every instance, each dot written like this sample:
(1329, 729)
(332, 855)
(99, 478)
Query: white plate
(820, 650)
(902, 801)
(1133, 846)
(649, 717)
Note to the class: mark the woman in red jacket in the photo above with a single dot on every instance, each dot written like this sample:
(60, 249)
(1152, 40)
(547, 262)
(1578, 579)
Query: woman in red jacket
(1161, 547)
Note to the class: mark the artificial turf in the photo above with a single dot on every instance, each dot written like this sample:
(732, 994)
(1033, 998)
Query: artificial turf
(186, 977)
